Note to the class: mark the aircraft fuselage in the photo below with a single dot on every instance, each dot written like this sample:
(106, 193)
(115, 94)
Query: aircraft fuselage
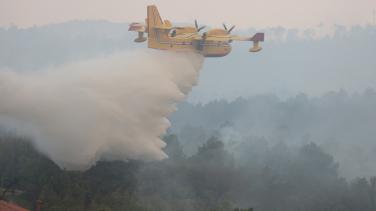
(162, 35)
(207, 48)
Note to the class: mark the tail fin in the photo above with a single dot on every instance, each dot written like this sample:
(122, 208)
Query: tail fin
(153, 19)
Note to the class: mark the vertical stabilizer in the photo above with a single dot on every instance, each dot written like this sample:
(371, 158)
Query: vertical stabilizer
(157, 29)
(154, 19)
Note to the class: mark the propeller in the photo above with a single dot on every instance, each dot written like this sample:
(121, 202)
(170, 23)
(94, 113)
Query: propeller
(228, 30)
(197, 27)
(204, 35)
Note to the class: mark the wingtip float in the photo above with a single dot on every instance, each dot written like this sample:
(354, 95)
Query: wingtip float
(163, 35)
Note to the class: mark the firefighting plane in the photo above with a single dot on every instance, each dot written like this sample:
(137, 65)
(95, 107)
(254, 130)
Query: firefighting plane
(163, 35)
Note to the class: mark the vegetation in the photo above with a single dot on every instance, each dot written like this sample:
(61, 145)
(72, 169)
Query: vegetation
(262, 152)
(278, 177)
(342, 123)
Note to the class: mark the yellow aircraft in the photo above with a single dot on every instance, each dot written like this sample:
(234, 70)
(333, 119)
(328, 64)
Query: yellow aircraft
(213, 43)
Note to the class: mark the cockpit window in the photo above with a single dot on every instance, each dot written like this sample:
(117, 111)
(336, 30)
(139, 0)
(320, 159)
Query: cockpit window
(172, 33)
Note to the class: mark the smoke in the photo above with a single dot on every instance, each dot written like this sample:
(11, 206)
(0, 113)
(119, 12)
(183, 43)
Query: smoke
(114, 107)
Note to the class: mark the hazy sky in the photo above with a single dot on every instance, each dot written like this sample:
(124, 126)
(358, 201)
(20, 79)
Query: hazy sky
(244, 13)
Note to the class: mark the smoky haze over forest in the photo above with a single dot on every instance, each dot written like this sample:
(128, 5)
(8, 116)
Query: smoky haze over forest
(305, 77)
(306, 97)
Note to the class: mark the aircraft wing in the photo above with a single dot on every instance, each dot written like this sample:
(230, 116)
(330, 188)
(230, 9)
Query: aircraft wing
(188, 36)
(197, 36)
(239, 38)
(258, 37)
(219, 38)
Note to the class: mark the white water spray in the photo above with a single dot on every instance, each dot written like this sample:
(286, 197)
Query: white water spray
(114, 107)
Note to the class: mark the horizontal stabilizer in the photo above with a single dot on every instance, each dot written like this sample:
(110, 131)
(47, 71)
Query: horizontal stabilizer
(137, 27)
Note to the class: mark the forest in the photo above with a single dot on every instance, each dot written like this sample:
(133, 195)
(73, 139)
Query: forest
(291, 129)
(259, 173)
